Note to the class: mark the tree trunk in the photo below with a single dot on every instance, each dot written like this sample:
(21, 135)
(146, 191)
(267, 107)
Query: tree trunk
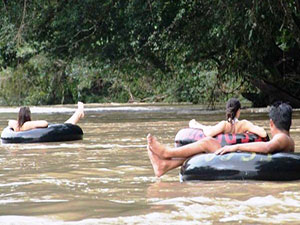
(275, 93)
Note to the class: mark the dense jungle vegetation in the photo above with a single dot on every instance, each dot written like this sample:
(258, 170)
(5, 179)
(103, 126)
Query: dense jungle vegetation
(199, 51)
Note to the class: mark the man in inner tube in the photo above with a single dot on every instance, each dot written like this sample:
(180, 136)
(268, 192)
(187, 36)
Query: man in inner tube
(164, 159)
(280, 122)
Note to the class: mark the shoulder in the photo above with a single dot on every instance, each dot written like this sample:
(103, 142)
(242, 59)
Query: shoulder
(283, 142)
(245, 124)
(226, 126)
(280, 137)
(34, 124)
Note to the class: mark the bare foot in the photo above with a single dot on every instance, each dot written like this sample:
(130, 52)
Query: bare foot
(193, 124)
(156, 147)
(157, 163)
(161, 166)
(80, 109)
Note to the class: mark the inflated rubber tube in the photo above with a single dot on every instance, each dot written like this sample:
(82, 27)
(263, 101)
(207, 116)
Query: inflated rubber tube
(242, 166)
(189, 135)
(53, 133)
(238, 165)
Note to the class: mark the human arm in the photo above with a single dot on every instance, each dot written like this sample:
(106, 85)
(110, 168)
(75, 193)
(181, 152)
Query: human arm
(279, 142)
(209, 131)
(13, 124)
(29, 125)
(250, 127)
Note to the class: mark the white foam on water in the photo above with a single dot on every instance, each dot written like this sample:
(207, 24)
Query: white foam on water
(27, 220)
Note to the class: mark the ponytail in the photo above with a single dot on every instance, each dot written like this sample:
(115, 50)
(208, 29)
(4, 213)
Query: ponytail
(24, 116)
(232, 106)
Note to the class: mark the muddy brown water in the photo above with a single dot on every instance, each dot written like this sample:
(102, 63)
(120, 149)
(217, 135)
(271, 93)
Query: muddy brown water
(107, 178)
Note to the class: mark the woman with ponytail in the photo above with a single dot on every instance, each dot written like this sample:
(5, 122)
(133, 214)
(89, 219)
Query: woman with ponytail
(232, 124)
(164, 158)
(24, 121)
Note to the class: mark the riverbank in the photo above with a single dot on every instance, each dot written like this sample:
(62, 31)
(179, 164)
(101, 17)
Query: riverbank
(132, 107)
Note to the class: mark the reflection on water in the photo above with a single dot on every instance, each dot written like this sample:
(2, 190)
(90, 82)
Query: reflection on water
(107, 178)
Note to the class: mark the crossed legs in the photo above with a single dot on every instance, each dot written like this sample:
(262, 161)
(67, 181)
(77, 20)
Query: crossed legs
(164, 159)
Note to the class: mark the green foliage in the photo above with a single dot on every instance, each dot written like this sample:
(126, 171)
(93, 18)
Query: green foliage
(195, 51)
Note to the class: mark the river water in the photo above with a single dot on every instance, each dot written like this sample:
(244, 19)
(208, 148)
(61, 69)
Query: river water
(107, 177)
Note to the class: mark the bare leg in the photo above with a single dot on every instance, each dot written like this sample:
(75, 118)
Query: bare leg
(161, 166)
(205, 145)
(79, 113)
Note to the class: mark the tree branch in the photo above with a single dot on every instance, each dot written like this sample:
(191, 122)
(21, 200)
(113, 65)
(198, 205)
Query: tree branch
(19, 34)
(275, 93)
(5, 3)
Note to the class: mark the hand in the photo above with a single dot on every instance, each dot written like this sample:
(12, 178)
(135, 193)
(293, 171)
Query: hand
(226, 149)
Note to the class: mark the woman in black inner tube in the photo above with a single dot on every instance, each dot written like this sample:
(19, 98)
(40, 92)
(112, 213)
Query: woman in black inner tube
(24, 121)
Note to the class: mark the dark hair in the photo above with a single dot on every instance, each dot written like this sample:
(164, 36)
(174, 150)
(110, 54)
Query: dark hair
(232, 106)
(24, 116)
(281, 115)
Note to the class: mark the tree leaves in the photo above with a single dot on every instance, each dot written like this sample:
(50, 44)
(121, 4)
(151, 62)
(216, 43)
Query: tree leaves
(172, 46)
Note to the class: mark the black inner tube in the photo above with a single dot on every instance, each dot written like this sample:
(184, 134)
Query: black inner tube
(53, 133)
(242, 166)
(238, 165)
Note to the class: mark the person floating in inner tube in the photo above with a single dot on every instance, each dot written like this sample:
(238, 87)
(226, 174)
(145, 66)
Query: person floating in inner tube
(164, 158)
(280, 122)
(232, 125)
(24, 121)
